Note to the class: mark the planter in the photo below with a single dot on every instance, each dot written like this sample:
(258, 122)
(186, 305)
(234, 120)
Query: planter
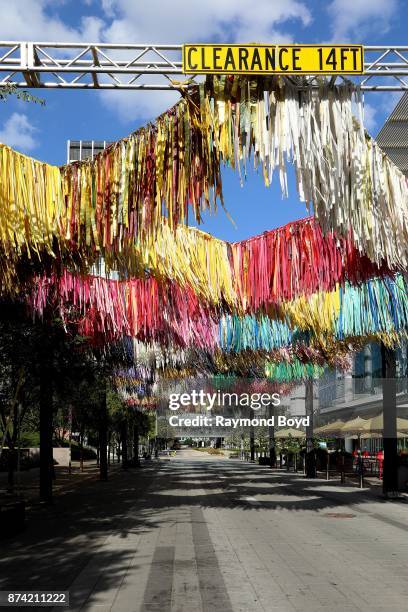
(403, 478)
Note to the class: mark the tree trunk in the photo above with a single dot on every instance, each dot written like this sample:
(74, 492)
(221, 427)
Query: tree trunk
(12, 452)
(46, 430)
(136, 444)
(271, 433)
(103, 440)
(11, 465)
(70, 441)
(390, 466)
(124, 443)
(81, 449)
(252, 442)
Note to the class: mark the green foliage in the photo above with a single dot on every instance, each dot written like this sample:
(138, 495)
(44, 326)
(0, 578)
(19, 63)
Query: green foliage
(10, 89)
(30, 439)
(77, 381)
(116, 407)
(151, 424)
(292, 445)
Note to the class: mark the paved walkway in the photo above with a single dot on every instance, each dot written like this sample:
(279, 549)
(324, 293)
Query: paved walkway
(197, 533)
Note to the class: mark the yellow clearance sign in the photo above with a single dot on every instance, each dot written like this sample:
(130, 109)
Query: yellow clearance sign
(273, 59)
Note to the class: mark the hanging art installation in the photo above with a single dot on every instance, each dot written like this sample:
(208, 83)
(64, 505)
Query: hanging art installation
(295, 370)
(260, 272)
(110, 204)
(311, 286)
(163, 312)
(153, 362)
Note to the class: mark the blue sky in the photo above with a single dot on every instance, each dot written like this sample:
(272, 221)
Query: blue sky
(43, 131)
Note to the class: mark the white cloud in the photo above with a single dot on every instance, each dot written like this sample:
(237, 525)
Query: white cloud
(132, 105)
(31, 20)
(18, 132)
(153, 21)
(194, 20)
(357, 19)
(91, 29)
(369, 117)
(390, 101)
(108, 7)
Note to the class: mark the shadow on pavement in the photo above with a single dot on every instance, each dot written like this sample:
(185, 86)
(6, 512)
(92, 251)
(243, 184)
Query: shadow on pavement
(62, 541)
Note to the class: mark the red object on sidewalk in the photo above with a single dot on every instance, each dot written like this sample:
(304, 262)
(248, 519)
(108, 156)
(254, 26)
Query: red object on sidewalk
(380, 459)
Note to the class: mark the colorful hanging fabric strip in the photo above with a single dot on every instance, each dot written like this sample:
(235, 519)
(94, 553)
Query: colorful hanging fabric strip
(154, 362)
(109, 204)
(144, 308)
(259, 273)
(295, 260)
(296, 370)
(264, 271)
(377, 308)
(165, 313)
(339, 169)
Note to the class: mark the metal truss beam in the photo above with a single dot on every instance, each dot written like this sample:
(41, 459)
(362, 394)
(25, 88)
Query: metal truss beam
(150, 66)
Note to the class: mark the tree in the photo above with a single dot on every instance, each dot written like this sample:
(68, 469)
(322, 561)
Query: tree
(10, 89)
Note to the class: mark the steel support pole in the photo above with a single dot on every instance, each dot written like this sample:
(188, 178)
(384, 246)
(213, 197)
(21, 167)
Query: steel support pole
(271, 437)
(310, 458)
(390, 469)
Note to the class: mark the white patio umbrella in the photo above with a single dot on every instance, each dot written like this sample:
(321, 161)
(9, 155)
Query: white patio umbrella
(289, 432)
(355, 426)
(377, 424)
(329, 428)
(372, 435)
